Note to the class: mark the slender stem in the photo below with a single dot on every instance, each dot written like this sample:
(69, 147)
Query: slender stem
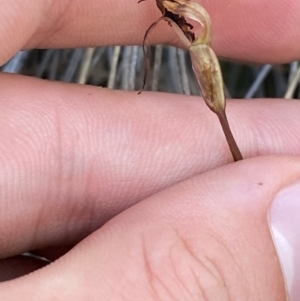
(235, 151)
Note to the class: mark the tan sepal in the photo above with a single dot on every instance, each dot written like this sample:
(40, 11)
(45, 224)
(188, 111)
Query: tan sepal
(208, 72)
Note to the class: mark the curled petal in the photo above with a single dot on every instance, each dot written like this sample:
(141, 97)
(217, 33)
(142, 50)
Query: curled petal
(193, 11)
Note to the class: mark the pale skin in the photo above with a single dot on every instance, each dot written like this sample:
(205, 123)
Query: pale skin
(73, 157)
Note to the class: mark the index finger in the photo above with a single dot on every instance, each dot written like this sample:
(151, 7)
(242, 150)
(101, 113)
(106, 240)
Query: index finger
(262, 31)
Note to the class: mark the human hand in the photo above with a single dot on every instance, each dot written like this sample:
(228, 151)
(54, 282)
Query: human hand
(74, 157)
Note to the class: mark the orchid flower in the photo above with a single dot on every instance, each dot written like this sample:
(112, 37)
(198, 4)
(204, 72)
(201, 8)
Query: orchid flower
(205, 62)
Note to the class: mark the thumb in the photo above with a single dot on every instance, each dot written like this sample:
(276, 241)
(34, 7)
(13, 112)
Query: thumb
(285, 225)
(206, 238)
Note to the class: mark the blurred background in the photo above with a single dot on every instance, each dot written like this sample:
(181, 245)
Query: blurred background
(122, 67)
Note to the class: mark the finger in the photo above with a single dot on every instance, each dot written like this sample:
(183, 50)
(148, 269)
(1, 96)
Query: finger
(85, 154)
(264, 31)
(206, 238)
(72, 157)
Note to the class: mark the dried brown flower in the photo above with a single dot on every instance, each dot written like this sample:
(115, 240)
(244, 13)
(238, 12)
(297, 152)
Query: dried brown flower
(205, 63)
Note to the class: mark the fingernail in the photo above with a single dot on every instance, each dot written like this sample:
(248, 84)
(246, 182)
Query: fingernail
(285, 227)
